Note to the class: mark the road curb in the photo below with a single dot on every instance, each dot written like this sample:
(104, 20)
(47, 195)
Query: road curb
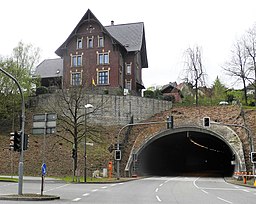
(29, 197)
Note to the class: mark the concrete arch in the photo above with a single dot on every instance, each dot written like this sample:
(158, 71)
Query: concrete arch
(223, 133)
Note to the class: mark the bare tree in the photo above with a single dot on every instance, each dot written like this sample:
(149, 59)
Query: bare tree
(238, 66)
(250, 46)
(70, 107)
(194, 69)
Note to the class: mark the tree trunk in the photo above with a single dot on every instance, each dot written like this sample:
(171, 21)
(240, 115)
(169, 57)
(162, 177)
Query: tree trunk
(245, 92)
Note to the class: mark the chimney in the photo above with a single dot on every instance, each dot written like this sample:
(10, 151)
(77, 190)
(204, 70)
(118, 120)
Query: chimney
(112, 22)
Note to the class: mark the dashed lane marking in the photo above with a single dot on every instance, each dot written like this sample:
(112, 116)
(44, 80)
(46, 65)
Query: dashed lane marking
(76, 199)
(224, 200)
(205, 191)
(86, 194)
(158, 199)
(56, 188)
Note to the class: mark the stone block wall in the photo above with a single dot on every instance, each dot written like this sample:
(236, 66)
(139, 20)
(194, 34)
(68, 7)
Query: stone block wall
(117, 110)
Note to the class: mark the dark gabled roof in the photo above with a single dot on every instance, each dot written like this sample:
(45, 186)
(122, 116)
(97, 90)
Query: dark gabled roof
(168, 87)
(130, 36)
(50, 68)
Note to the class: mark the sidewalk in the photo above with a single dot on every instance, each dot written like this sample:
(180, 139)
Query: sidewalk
(30, 197)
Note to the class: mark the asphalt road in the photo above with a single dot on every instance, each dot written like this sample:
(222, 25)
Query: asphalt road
(174, 190)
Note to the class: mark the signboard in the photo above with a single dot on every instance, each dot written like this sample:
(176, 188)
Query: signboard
(39, 117)
(41, 131)
(43, 169)
(44, 124)
(51, 117)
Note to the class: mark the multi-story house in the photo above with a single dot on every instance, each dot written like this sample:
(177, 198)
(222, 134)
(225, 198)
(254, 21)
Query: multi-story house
(104, 58)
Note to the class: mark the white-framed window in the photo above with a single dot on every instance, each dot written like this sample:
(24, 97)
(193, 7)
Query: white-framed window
(90, 42)
(76, 60)
(100, 41)
(76, 78)
(128, 84)
(129, 69)
(103, 58)
(79, 43)
(103, 77)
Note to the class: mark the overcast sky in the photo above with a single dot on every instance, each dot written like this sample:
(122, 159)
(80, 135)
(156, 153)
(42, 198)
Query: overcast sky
(171, 26)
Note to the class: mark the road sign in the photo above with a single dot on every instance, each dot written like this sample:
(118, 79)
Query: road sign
(43, 169)
(44, 123)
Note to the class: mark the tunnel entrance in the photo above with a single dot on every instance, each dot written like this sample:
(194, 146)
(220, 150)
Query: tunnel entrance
(188, 153)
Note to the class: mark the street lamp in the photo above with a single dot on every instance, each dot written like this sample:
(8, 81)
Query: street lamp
(20, 185)
(85, 124)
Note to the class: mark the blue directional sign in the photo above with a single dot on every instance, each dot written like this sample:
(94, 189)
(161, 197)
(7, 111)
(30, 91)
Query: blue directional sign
(43, 169)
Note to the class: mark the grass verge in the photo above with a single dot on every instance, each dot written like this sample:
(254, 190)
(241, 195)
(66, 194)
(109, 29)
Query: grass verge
(94, 180)
(8, 179)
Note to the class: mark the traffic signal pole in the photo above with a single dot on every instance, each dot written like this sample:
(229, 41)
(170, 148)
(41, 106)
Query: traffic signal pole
(20, 186)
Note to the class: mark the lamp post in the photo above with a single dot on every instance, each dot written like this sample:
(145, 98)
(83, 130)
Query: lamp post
(85, 125)
(20, 186)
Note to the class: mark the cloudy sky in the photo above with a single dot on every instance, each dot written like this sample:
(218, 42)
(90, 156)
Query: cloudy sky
(171, 27)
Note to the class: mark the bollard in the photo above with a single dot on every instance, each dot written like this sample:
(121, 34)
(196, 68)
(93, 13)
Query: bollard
(244, 179)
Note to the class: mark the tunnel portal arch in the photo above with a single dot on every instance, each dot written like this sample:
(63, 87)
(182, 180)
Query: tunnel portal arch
(188, 148)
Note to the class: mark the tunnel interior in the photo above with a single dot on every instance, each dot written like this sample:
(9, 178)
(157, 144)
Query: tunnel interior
(186, 153)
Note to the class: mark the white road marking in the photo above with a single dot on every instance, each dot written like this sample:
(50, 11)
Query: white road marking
(57, 187)
(104, 187)
(76, 199)
(223, 189)
(205, 191)
(160, 184)
(156, 190)
(224, 200)
(246, 191)
(94, 190)
(86, 194)
(194, 183)
(158, 199)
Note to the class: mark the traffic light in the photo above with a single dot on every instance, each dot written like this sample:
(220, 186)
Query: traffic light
(117, 155)
(253, 157)
(206, 122)
(170, 122)
(26, 141)
(12, 141)
(17, 141)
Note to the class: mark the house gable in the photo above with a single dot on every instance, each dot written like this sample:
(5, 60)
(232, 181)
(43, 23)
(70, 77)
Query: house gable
(91, 62)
